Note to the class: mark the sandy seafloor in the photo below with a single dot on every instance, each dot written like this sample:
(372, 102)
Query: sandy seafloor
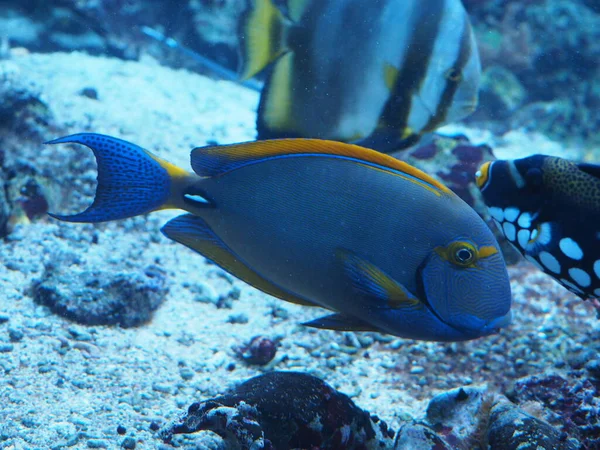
(67, 384)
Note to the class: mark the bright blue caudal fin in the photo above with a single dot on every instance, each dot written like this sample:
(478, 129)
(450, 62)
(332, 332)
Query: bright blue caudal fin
(131, 181)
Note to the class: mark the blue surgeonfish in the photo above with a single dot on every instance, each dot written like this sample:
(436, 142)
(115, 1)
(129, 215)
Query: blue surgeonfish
(549, 209)
(320, 223)
(382, 70)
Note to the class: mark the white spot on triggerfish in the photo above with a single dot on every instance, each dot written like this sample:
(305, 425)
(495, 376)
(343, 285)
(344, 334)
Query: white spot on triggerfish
(509, 231)
(597, 292)
(497, 213)
(550, 262)
(580, 277)
(570, 248)
(597, 268)
(523, 238)
(511, 214)
(525, 220)
(571, 286)
(545, 234)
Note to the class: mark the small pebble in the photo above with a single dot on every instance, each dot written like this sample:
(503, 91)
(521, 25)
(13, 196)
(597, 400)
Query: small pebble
(89, 92)
(186, 373)
(15, 334)
(164, 388)
(128, 443)
(6, 348)
(238, 318)
(121, 430)
(97, 443)
(416, 370)
(4, 318)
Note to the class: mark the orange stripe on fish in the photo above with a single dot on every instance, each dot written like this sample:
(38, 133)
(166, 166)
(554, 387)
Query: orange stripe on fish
(211, 161)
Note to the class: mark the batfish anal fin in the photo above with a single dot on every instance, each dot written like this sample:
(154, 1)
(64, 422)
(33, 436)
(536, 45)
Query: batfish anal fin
(372, 283)
(195, 234)
(340, 322)
(217, 160)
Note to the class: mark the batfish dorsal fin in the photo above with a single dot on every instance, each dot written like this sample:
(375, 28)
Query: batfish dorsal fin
(217, 160)
(194, 233)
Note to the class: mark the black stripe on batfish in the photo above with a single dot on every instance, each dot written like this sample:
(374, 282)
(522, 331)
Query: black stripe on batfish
(416, 63)
(453, 80)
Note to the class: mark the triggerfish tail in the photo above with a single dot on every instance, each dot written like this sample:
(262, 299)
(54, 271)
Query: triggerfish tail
(131, 180)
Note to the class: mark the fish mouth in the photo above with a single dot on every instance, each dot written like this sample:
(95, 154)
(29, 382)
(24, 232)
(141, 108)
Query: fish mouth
(494, 325)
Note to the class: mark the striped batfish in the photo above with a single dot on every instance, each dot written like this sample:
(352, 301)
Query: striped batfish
(549, 209)
(320, 223)
(382, 72)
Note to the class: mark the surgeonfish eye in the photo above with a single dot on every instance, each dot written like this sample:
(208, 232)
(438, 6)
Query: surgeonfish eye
(462, 254)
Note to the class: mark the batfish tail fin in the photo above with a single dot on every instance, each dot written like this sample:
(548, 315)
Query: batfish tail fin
(131, 180)
(263, 31)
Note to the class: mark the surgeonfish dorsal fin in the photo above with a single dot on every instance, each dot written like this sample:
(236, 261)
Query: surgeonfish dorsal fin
(340, 322)
(370, 281)
(263, 32)
(217, 160)
(591, 169)
(194, 233)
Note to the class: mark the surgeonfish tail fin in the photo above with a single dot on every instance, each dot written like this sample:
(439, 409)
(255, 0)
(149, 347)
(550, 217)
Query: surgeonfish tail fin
(131, 181)
(262, 33)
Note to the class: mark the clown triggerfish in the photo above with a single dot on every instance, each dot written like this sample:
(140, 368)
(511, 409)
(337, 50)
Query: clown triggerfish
(320, 223)
(549, 209)
(386, 70)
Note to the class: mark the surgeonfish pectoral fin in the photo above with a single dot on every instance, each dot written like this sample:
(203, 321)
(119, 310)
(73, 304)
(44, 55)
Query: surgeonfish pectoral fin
(340, 322)
(131, 180)
(194, 233)
(263, 33)
(592, 169)
(370, 281)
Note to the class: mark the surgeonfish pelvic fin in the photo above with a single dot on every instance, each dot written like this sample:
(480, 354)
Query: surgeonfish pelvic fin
(340, 322)
(213, 161)
(194, 233)
(131, 180)
(264, 28)
(371, 282)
